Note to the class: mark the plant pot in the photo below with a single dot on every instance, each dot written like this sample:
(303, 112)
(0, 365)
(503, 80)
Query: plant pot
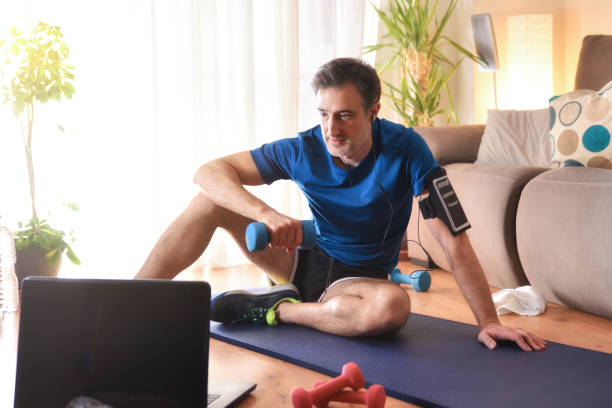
(31, 261)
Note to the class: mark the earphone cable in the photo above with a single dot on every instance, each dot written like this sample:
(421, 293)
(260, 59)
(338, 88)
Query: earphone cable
(392, 212)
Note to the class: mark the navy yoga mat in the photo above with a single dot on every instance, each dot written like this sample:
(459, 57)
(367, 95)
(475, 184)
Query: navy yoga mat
(437, 362)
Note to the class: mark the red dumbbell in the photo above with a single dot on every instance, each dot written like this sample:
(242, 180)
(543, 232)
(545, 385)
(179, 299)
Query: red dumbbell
(351, 377)
(373, 397)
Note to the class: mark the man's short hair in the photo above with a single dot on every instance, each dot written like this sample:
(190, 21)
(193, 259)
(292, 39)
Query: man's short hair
(339, 71)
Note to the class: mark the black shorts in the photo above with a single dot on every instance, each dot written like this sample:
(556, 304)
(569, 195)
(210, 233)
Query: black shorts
(316, 271)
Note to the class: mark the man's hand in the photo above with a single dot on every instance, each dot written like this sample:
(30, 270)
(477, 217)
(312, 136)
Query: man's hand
(285, 232)
(526, 341)
(473, 284)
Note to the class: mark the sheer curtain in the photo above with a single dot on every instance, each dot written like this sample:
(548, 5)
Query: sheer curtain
(161, 88)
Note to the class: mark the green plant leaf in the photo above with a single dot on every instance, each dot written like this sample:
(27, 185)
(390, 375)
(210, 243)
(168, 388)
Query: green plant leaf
(371, 48)
(415, 32)
(51, 253)
(54, 259)
(72, 206)
(387, 64)
(68, 89)
(51, 240)
(442, 23)
(465, 52)
(72, 256)
(15, 49)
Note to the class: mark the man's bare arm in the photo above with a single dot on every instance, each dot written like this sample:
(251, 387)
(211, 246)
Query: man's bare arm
(223, 181)
(473, 284)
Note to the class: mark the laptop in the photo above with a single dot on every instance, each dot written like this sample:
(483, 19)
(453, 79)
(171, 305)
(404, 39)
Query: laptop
(116, 343)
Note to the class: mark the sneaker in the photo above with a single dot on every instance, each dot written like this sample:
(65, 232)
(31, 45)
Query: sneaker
(240, 306)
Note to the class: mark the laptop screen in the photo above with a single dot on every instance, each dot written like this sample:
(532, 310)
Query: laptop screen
(124, 343)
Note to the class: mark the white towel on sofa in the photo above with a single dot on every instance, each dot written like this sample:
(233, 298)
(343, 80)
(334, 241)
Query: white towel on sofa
(525, 300)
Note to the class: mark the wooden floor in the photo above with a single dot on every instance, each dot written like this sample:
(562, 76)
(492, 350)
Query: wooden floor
(276, 378)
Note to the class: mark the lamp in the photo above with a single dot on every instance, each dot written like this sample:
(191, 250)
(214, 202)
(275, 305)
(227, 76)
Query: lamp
(530, 76)
(486, 46)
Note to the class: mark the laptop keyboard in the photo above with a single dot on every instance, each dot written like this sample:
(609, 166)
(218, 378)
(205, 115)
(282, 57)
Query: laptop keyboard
(212, 398)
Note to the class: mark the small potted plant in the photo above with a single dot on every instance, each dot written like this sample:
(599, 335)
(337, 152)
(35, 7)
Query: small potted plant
(35, 72)
(415, 38)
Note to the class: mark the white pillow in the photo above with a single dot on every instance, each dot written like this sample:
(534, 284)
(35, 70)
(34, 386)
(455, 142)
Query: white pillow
(516, 137)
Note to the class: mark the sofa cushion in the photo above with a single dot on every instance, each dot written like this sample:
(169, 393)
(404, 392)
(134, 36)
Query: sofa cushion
(594, 62)
(581, 127)
(517, 137)
(489, 195)
(564, 237)
(452, 144)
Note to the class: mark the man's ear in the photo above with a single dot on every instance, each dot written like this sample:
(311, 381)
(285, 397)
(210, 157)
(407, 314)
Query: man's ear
(374, 111)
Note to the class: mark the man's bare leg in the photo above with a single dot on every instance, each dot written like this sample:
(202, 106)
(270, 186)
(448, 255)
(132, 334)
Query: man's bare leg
(188, 236)
(355, 307)
(351, 308)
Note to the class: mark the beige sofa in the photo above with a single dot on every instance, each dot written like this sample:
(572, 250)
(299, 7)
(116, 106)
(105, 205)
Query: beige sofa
(550, 228)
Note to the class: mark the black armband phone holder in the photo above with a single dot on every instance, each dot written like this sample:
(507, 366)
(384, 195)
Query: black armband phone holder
(443, 202)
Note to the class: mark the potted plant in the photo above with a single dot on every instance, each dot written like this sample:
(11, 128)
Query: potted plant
(415, 37)
(35, 72)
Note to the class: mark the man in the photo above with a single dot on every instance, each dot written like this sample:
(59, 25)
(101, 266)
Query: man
(359, 174)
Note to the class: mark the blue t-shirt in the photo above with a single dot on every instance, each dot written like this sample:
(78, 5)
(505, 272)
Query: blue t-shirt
(350, 210)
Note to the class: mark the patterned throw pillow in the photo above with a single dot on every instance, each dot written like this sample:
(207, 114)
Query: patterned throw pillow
(581, 127)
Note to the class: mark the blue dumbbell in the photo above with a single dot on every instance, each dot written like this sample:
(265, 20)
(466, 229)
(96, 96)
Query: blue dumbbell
(420, 280)
(257, 238)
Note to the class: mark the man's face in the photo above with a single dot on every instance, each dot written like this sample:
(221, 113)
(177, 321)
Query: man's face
(346, 127)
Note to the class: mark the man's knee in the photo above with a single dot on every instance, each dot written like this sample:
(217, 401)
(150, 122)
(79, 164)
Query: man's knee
(201, 206)
(388, 311)
(205, 209)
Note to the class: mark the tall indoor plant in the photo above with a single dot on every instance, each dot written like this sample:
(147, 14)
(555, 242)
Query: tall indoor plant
(35, 71)
(415, 38)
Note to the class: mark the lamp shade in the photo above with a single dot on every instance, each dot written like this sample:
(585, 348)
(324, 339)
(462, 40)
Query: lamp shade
(484, 41)
(530, 71)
